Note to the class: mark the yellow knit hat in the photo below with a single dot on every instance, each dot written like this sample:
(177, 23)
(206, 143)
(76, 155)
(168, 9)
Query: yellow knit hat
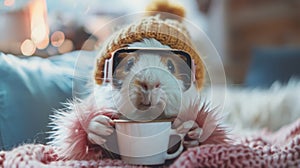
(166, 28)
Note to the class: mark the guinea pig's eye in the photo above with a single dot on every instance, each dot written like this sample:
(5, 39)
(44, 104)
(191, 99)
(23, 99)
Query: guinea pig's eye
(129, 64)
(171, 66)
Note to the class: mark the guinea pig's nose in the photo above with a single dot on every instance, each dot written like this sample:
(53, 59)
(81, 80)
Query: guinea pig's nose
(144, 86)
(157, 85)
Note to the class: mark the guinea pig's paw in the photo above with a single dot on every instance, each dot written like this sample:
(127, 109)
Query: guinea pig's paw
(186, 126)
(190, 143)
(193, 133)
(99, 127)
(95, 139)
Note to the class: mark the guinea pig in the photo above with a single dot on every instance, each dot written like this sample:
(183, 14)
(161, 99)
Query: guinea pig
(141, 85)
(150, 86)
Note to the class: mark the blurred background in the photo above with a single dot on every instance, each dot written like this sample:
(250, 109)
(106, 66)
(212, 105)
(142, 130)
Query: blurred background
(42, 42)
(250, 35)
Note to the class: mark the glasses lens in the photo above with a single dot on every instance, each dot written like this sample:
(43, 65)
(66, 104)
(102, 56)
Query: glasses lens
(178, 63)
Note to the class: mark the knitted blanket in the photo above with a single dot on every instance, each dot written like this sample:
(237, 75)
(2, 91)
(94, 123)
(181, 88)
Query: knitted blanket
(278, 149)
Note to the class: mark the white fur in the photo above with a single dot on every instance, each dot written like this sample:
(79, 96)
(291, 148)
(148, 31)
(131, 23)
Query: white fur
(150, 70)
(248, 110)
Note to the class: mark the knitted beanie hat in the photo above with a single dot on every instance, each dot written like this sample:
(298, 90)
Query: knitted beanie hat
(165, 26)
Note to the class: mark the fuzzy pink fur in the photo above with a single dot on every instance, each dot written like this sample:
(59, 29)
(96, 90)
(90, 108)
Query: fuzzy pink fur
(69, 130)
(70, 126)
(207, 119)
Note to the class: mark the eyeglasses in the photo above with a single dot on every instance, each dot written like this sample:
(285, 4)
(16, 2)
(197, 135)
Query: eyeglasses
(178, 62)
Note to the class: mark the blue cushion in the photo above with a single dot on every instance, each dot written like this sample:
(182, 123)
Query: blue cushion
(30, 88)
(273, 64)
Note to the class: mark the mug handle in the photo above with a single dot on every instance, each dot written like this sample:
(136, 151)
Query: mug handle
(180, 149)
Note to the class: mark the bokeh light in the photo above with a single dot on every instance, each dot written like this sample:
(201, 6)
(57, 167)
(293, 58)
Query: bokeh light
(28, 47)
(66, 46)
(43, 44)
(38, 33)
(39, 26)
(57, 38)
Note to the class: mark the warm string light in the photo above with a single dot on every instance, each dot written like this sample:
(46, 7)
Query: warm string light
(59, 40)
(39, 27)
(40, 36)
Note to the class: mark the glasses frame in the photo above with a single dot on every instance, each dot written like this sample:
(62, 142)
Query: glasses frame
(110, 63)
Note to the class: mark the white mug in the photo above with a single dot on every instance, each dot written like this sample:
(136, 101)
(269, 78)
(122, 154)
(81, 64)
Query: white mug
(145, 143)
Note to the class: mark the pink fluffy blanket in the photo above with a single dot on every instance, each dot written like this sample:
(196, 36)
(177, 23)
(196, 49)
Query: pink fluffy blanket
(278, 149)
